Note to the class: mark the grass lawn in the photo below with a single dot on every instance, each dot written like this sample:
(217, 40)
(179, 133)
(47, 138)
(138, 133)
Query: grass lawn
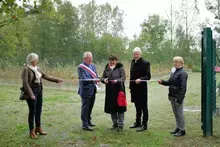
(61, 119)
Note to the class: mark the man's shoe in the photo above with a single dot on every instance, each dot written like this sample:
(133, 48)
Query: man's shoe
(142, 128)
(135, 125)
(175, 131)
(87, 129)
(115, 126)
(120, 128)
(91, 124)
(180, 133)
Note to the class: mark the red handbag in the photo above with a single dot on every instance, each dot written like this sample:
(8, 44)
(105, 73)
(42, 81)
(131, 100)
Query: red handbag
(121, 99)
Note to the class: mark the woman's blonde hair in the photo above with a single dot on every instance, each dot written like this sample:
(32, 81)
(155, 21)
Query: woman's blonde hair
(178, 59)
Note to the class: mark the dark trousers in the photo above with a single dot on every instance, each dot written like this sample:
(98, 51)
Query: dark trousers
(141, 108)
(118, 119)
(35, 108)
(86, 110)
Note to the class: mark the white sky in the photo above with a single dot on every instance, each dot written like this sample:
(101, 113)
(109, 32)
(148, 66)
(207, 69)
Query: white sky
(138, 10)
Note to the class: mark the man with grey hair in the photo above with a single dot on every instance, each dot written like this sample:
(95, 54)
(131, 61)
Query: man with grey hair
(88, 79)
(139, 74)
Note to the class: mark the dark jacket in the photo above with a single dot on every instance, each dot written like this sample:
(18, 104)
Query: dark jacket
(139, 70)
(112, 89)
(86, 88)
(28, 78)
(177, 84)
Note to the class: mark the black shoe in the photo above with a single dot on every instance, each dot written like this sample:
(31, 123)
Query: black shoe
(114, 127)
(120, 128)
(87, 129)
(180, 133)
(142, 128)
(135, 125)
(91, 124)
(175, 131)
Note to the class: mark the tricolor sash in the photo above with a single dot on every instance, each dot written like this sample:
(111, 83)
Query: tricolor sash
(92, 73)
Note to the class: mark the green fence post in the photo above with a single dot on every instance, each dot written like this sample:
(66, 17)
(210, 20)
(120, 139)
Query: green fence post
(207, 81)
(203, 91)
(213, 76)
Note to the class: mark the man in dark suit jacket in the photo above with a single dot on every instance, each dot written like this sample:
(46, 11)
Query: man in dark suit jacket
(87, 89)
(139, 74)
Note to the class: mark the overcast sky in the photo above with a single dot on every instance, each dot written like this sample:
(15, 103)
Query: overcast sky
(138, 10)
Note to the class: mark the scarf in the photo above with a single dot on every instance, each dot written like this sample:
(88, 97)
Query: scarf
(36, 72)
(112, 67)
(173, 70)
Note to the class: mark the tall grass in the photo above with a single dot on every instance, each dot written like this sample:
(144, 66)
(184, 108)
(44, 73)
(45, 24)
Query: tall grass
(13, 71)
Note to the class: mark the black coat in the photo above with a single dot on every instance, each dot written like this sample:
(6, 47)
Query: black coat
(139, 70)
(177, 84)
(112, 89)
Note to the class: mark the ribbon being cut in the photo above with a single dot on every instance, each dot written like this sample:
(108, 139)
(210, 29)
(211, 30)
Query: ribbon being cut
(93, 74)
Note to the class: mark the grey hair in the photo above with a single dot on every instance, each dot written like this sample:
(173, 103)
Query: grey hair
(86, 54)
(31, 57)
(137, 49)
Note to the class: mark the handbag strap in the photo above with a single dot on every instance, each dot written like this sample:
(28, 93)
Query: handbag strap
(121, 86)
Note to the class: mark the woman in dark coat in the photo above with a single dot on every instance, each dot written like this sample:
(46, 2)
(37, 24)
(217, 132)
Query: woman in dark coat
(32, 85)
(114, 77)
(177, 89)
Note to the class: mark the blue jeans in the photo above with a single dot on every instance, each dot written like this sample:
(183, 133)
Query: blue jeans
(35, 108)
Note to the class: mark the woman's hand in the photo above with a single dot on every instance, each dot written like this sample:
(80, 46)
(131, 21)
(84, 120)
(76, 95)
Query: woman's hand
(33, 97)
(138, 81)
(97, 80)
(59, 81)
(106, 80)
(159, 81)
(114, 81)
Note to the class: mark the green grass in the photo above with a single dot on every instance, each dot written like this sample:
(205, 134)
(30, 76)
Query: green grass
(61, 119)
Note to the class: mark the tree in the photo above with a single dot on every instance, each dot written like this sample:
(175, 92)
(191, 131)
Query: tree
(152, 35)
(101, 19)
(101, 28)
(186, 46)
(110, 44)
(214, 7)
(173, 18)
(69, 45)
(59, 33)
(189, 12)
(112, 20)
(13, 11)
(88, 17)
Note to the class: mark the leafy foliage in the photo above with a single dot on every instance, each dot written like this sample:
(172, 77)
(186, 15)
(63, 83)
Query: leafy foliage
(60, 32)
